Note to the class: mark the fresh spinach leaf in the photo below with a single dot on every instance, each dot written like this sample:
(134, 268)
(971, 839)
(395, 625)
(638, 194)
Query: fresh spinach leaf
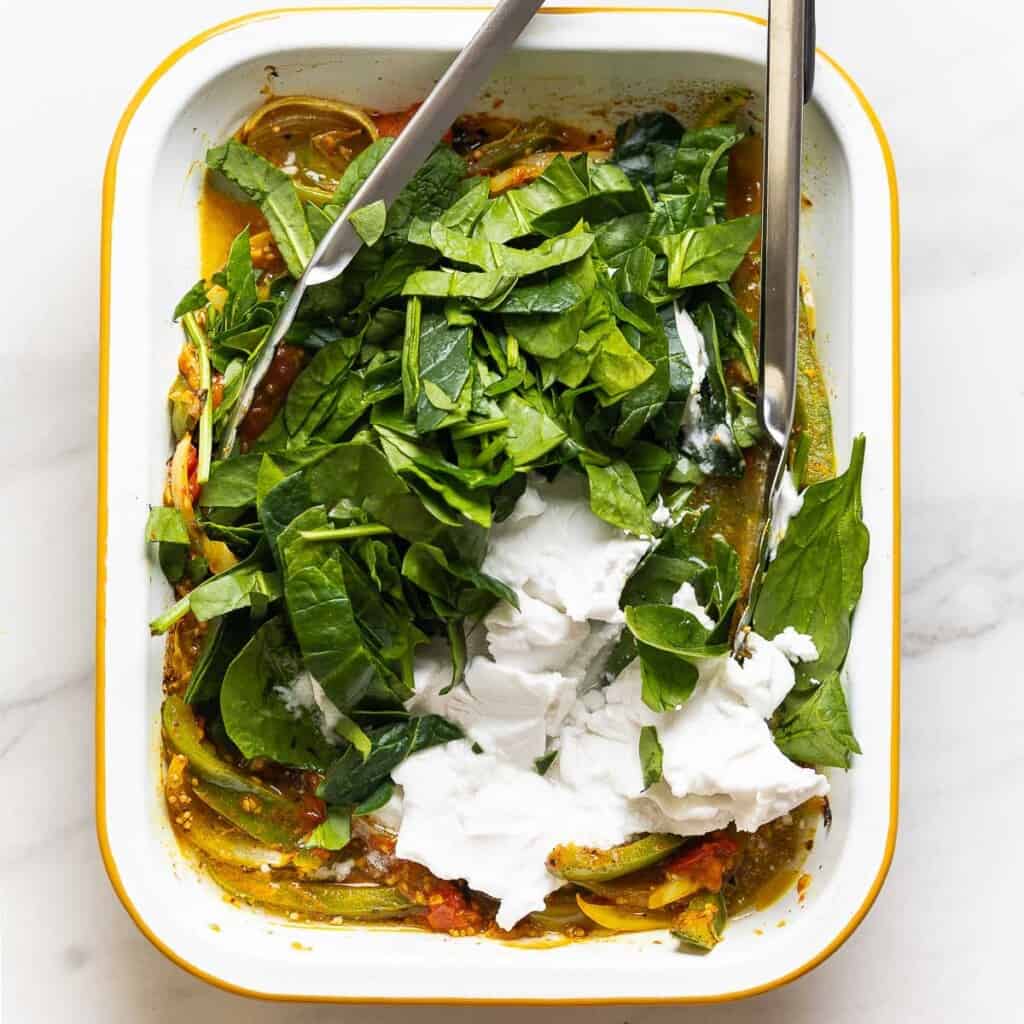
(193, 299)
(615, 497)
(672, 630)
(254, 713)
(224, 638)
(667, 681)
(361, 167)
(411, 356)
(352, 779)
(700, 164)
(650, 755)
(708, 437)
(333, 833)
(370, 221)
(818, 731)
(645, 146)
(324, 623)
(311, 397)
(247, 584)
(275, 193)
(707, 254)
(459, 590)
(465, 500)
(240, 281)
(443, 369)
(256, 176)
(556, 296)
(815, 581)
(531, 432)
(166, 525)
(376, 800)
(287, 221)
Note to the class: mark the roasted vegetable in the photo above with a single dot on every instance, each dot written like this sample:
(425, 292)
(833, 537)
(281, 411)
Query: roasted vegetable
(218, 839)
(242, 799)
(582, 864)
(324, 899)
(521, 140)
(310, 138)
(703, 866)
(701, 924)
(619, 919)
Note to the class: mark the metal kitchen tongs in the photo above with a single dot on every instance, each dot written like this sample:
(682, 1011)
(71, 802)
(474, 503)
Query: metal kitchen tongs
(789, 79)
(456, 89)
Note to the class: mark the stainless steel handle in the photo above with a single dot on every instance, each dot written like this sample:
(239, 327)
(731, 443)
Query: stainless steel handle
(464, 78)
(780, 228)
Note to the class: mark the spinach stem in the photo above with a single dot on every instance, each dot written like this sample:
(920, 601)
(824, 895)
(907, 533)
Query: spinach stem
(198, 337)
(483, 427)
(346, 532)
(489, 451)
(177, 611)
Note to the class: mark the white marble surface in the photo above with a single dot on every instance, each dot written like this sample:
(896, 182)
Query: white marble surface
(942, 942)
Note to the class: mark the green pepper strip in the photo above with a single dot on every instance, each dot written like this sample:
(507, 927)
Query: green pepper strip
(582, 864)
(701, 924)
(244, 800)
(329, 899)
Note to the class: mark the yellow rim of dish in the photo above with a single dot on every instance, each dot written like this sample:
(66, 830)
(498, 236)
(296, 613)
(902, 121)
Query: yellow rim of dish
(109, 181)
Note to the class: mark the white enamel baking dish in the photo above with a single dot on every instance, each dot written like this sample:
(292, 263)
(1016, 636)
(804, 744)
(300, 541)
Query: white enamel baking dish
(582, 64)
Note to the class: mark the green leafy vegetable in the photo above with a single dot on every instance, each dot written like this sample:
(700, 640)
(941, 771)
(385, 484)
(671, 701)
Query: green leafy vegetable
(615, 497)
(352, 779)
(275, 193)
(333, 833)
(194, 298)
(708, 440)
(223, 640)
(254, 712)
(815, 581)
(817, 730)
(706, 254)
(531, 432)
(324, 622)
(669, 640)
(650, 755)
(247, 584)
(645, 146)
(370, 221)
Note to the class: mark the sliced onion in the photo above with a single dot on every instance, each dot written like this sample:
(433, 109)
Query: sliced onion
(181, 492)
(313, 105)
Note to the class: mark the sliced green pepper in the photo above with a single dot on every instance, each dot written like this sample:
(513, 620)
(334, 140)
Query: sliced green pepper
(584, 865)
(268, 816)
(243, 800)
(214, 837)
(813, 418)
(186, 738)
(328, 899)
(701, 924)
